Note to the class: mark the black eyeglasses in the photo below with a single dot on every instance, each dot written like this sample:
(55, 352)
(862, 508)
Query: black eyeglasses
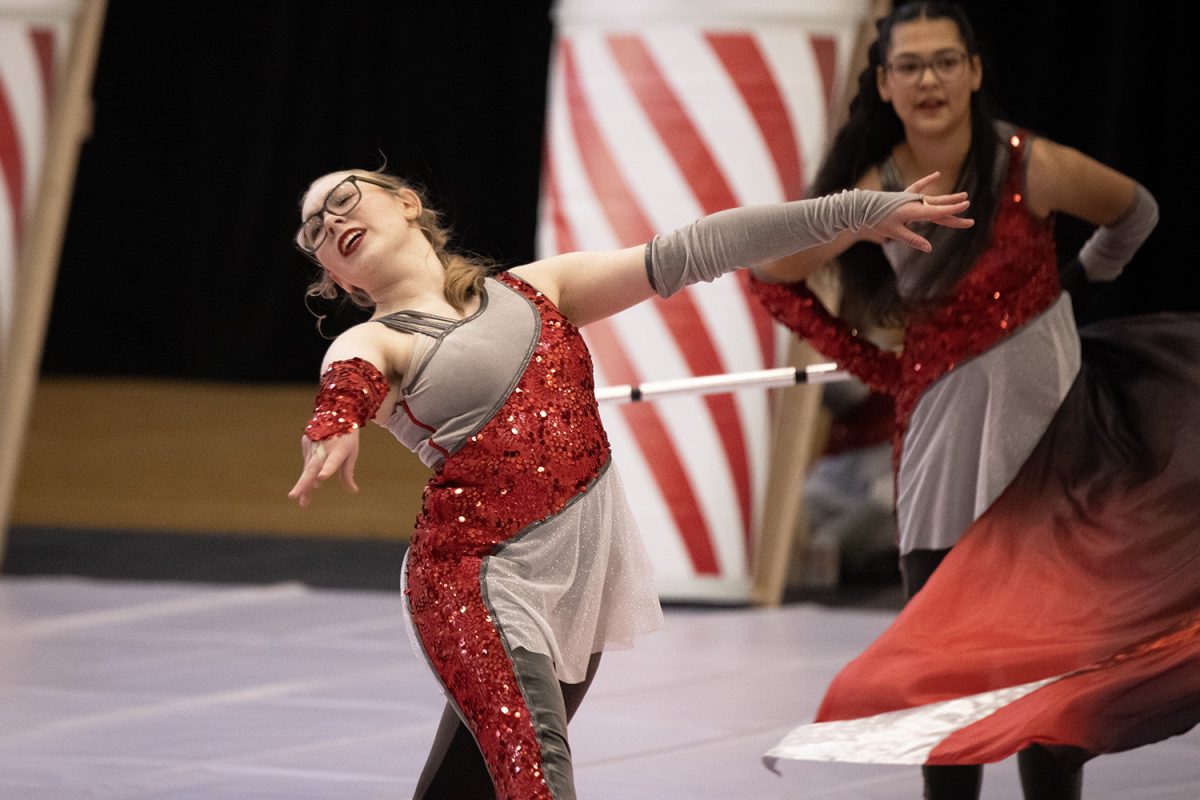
(341, 200)
(946, 65)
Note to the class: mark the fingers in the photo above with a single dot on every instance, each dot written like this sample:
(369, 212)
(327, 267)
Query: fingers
(938, 211)
(347, 472)
(947, 215)
(954, 222)
(324, 459)
(944, 199)
(310, 476)
(915, 241)
(304, 488)
(919, 185)
(300, 495)
(307, 481)
(895, 231)
(333, 462)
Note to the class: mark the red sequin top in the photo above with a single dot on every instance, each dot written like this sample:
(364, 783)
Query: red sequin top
(543, 446)
(1015, 280)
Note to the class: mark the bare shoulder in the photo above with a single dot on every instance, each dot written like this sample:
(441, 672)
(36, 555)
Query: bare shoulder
(388, 350)
(1045, 153)
(1060, 178)
(540, 275)
(590, 285)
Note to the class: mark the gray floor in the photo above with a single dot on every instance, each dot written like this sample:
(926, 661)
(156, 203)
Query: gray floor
(127, 690)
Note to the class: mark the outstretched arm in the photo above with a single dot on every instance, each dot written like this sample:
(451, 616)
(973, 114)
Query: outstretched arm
(589, 286)
(795, 306)
(354, 384)
(781, 289)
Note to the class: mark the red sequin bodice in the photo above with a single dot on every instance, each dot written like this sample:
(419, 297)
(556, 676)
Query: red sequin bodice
(544, 446)
(1015, 280)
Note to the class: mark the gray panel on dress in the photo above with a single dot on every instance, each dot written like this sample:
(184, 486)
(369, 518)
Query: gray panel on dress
(460, 375)
(974, 428)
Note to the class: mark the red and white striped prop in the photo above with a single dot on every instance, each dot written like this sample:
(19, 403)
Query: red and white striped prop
(33, 39)
(661, 111)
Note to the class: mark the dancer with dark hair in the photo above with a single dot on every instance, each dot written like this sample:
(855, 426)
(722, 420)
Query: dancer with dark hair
(525, 563)
(1057, 482)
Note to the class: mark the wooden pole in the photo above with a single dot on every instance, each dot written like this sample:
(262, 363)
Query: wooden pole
(798, 429)
(784, 525)
(41, 246)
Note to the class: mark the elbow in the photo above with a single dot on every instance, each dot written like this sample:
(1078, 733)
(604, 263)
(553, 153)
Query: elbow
(1141, 213)
(1142, 197)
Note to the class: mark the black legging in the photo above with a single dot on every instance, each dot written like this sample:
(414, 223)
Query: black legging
(455, 769)
(1047, 773)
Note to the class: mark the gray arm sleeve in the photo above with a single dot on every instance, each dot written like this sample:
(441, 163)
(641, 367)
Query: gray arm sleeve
(742, 237)
(1112, 246)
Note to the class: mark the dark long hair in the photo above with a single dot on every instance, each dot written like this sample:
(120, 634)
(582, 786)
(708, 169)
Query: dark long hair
(868, 137)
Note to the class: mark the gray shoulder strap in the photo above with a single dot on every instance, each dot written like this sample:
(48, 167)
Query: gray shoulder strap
(420, 322)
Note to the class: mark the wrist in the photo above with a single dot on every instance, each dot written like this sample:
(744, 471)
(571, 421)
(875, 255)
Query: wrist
(350, 395)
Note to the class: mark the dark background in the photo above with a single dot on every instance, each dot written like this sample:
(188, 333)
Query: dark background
(211, 118)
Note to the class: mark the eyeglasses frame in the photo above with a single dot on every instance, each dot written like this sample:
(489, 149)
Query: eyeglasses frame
(325, 209)
(927, 64)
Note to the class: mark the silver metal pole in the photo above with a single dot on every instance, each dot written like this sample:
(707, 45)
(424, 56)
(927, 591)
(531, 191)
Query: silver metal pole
(715, 384)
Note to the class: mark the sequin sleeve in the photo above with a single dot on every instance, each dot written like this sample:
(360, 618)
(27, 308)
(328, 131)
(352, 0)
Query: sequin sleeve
(351, 392)
(1111, 247)
(740, 237)
(795, 306)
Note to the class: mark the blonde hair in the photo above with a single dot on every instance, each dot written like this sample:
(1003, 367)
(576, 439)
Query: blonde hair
(464, 273)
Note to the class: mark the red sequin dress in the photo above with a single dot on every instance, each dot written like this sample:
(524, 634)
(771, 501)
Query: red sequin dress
(1068, 612)
(981, 374)
(524, 537)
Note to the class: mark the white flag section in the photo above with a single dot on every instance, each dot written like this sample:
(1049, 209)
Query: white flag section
(33, 42)
(907, 736)
(661, 111)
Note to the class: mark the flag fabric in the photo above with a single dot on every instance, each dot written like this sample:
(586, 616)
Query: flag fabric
(659, 113)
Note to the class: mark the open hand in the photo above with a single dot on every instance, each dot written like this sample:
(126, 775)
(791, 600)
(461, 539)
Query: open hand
(321, 460)
(939, 209)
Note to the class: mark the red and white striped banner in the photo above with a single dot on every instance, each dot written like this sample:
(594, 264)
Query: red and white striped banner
(661, 111)
(33, 39)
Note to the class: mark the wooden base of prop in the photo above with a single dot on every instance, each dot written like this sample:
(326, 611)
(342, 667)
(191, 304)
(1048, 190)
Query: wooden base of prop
(70, 125)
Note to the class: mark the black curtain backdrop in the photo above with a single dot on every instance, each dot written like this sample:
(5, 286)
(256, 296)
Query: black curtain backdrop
(211, 118)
